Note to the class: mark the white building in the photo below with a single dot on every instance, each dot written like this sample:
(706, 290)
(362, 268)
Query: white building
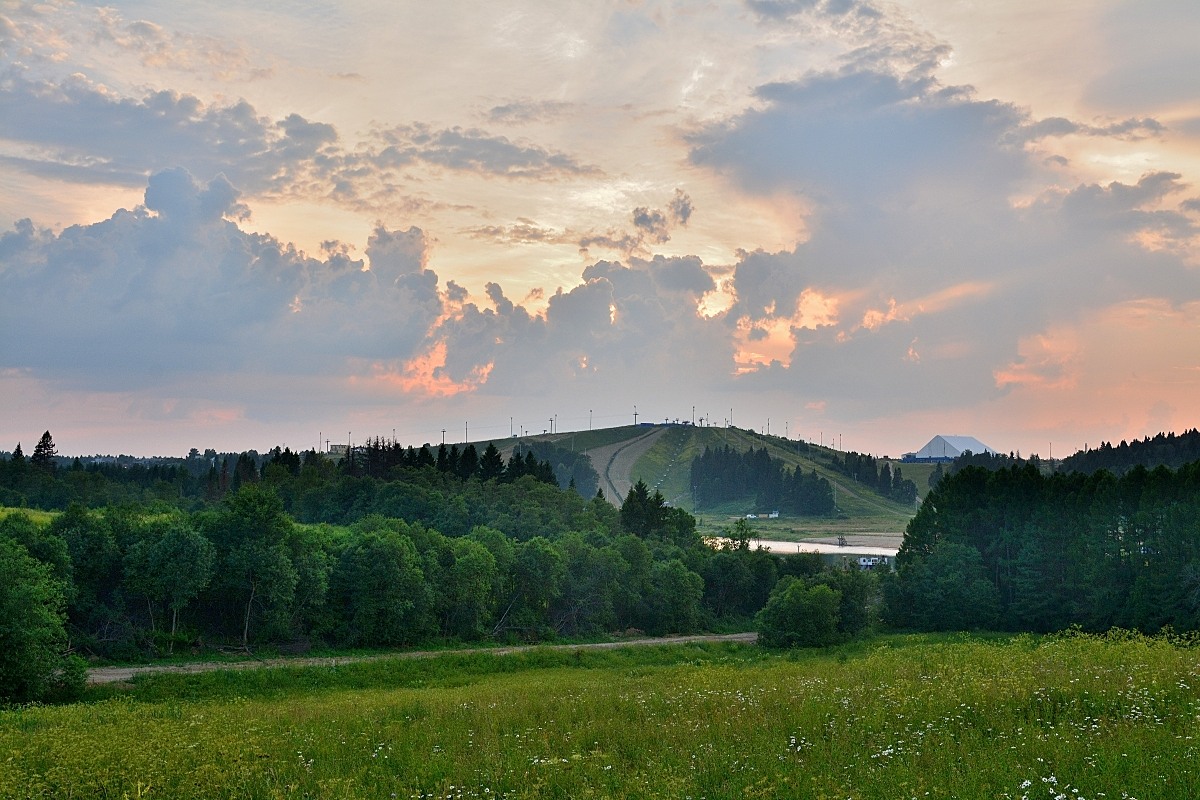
(948, 448)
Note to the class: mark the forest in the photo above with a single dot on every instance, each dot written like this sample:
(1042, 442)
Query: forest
(395, 547)
(721, 475)
(360, 553)
(1016, 549)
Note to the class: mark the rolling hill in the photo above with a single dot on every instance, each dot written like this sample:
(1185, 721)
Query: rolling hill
(661, 456)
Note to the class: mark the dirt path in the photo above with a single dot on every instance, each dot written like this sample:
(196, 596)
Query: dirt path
(123, 674)
(615, 463)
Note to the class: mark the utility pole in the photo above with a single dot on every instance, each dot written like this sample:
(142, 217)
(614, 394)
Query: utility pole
(466, 433)
(635, 413)
(589, 419)
(443, 437)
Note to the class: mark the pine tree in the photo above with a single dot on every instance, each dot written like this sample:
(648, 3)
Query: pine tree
(491, 465)
(44, 453)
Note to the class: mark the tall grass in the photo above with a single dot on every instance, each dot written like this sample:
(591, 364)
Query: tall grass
(1061, 719)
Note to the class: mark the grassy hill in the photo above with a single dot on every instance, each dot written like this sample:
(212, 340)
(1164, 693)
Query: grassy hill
(864, 517)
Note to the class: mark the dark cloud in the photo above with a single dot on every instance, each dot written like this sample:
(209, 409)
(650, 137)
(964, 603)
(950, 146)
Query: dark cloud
(863, 136)
(651, 226)
(175, 196)
(634, 325)
(174, 287)
(932, 275)
(78, 129)
(681, 207)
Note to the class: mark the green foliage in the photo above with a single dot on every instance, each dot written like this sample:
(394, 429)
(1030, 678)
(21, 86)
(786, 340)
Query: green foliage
(799, 615)
(171, 566)
(33, 636)
(721, 475)
(378, 588)
(1044, 552)
(945, 590)
(418, 555)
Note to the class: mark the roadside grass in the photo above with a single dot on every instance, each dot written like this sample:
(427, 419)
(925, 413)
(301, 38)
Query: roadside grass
(1064, 717)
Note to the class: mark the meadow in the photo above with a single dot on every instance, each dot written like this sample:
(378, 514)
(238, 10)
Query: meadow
(1060, 718)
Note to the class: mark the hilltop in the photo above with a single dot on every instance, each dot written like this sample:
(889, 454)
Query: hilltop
(661, 455)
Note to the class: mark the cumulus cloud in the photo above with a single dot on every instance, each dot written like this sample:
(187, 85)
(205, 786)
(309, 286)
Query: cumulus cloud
(174, 286)
(81, 130)
(935, 274)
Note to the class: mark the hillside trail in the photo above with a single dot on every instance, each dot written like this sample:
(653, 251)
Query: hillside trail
(100, 675)
(615, 463)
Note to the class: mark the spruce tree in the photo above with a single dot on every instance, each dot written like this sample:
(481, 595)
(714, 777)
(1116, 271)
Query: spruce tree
(44, 453)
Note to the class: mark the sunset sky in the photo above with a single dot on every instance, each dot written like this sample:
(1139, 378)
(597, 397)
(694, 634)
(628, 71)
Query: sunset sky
(246, 225)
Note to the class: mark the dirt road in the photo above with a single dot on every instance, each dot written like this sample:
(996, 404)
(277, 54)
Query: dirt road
(122, 674)
(615, 463)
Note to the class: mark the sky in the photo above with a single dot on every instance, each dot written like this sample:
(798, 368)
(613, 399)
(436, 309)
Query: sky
(852, 222)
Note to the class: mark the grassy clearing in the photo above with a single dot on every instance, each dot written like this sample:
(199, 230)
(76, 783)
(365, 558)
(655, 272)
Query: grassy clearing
(38, 516)
(904, 717)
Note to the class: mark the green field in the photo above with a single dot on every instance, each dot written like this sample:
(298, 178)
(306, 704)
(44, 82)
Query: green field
(898, 717)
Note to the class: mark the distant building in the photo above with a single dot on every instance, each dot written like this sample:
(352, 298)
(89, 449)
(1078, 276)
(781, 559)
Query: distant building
(948, 448)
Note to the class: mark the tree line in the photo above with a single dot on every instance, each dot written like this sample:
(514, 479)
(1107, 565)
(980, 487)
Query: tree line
(1164, 449)
(306, 551)
(44, 481)
(876, 474)
(1016, 549)
(722, 475)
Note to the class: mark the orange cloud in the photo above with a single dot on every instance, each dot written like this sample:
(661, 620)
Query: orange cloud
(758, 344)
(929, 304)
(426, 375)
(1046, 361)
